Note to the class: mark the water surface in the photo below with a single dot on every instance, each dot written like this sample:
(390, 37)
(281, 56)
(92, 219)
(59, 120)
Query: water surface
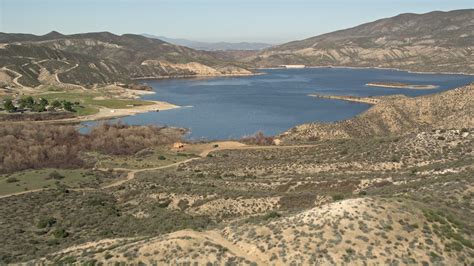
(225, 108)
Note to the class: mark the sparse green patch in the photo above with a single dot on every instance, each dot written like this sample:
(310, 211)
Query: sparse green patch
(89, 103)
(48, 178)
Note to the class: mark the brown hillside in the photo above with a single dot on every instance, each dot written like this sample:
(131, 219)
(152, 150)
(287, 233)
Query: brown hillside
(398, 115)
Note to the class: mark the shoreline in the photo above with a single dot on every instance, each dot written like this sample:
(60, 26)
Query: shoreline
(197, 76)
(108, 113)
(366, 100)
(380, 68)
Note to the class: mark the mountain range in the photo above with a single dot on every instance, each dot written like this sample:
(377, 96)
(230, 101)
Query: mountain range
(432, 42)
(213, 46)
(103, 58)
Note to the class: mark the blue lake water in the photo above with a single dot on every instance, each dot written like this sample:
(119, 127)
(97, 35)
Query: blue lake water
(225, 108)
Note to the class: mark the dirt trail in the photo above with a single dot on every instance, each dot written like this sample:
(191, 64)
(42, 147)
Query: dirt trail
(253, 255)
(223, 145)
(22, 192)
(15, 80)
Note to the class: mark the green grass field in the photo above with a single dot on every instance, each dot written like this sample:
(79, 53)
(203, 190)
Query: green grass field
(37, 179)
(89, 102)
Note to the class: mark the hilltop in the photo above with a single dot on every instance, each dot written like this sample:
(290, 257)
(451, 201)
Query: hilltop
(432, 42)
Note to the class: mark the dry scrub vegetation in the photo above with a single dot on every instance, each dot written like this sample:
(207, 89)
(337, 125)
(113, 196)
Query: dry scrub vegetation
(26, 146)
(396, 199)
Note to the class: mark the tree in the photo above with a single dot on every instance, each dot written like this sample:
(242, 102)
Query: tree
(8, 106)
(28, 102)
(68, 106)
(41, 105)
(56, 104)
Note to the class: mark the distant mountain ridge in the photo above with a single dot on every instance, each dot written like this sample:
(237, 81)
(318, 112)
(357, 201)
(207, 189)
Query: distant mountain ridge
(432, 42)
(103, 58)
(213, 46)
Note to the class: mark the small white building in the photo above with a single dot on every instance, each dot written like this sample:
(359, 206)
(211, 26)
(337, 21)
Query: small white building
(293, 66)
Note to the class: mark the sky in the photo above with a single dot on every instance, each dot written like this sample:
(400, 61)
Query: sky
(271, 21)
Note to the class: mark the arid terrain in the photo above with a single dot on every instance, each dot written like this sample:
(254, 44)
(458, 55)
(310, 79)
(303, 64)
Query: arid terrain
(400, 198)
(431, 42)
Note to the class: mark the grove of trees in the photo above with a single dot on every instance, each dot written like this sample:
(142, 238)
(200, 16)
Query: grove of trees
(35, 146)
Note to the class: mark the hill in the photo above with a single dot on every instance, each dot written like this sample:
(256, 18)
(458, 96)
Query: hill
(431, 42)
(333, 202)
(393, 186)
(102, 58)
(213, 46)
(397, 115)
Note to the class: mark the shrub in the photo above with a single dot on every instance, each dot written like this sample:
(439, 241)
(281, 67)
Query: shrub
(272, 215)
(258, 139)
(55, 175)
(8, 106)
(120, 139)
(337, 197)
(12, 179)
(46, 222)
(60, 233)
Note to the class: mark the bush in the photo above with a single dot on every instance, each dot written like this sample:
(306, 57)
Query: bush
(12, 180)
(46, 222)
(119, 139)
(60, 233)
(56, 175)
(337, 197)
(258, 139)
(8, 106)
(272, 215)
(161, 157)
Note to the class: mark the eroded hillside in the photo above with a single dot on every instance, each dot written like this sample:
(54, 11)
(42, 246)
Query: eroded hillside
(398, 115)
(102, 58)
(431, 42)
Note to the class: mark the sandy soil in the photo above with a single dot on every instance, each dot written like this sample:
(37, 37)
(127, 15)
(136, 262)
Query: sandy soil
(367, 100)
(107, 113)
(402, 86)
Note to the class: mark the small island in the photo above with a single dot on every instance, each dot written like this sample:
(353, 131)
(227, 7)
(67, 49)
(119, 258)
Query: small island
(401, 85)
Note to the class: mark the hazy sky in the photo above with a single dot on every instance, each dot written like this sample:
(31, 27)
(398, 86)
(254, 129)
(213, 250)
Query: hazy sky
(207, 20)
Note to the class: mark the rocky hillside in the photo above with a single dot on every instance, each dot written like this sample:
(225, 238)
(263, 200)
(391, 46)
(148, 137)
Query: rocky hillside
(436, 41)
(102, 58)
(398, 115)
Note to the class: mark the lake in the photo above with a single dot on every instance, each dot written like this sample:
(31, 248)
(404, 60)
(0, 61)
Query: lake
(232, 107)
